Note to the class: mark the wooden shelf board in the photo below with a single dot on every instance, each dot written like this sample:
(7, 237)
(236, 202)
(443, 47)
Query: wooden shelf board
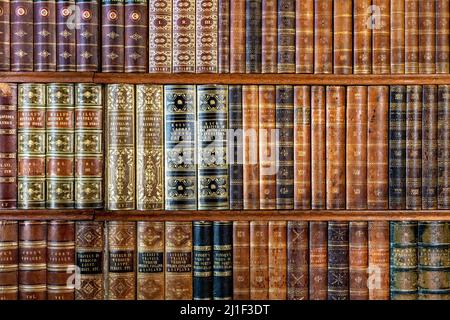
(47, 214)
(47, 77)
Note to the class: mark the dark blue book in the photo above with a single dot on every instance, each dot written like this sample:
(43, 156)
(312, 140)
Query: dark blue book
(202, 253)
(235, 151)
(338, 261)
(222, 260)
(253, 36)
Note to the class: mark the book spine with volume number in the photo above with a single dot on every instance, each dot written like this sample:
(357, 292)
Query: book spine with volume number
(253, 36)
(297, 260)
(237, 36)
(87, 35)
(427, 36)
(160, 36)
(318, 148)
(397, 37)
(358, 260)
(269, 36)
(5, 35)
(338, 261)
(44, 22)
(277, 260)
(202, 260)
(444, 147)
(206, 36)
(222, 260)
(378, 273)
(183, 34)
(381, 50)
(9, 260)
(412, 36)
(323, 36)
(304, 36)
(442, 36)
(286, 36)
(113, 33)
(65, 36)
(235, 146)
(259, 260)
(362, 37)
(223, 34)
(22, 41)
(318, 260)
(136, 36)
(342, 37)
(241, 260)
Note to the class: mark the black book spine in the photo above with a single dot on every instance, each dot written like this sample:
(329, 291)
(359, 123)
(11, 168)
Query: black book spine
(253, 36)
(222, 260)
(338, 263)
(202, 253)
(235, 150)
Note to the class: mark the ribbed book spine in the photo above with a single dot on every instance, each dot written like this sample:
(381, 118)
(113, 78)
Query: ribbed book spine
(237, 36)
(378, 283)
(304, 36)
(318, 260)
(253, 49)
(318, 148)
(113, 33)
(323, 36)
(136, 36)
(412, 36)
(297, 260)
(381, 63)
(183, 50)
(443, 147)
(259, 260)
(358, 260)
(342, 37)
(202, 260)
(442, 36)
(427, 36)
(223, 33)
(87, 34)
(222, 256)
(286, 36)
(66, 59)
(5, 35)
(9, 260)
(21, 35)
(241, 260)
(269, 34)
(44, 35)
(362, 37)
(206, 36)
(277, 260)
(235, 146)
(398, 36)
(160, 36)
(338, 261)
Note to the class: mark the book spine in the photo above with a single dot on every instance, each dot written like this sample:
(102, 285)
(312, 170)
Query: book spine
(377, 147)
(235, 146)
(318, 148)
(21, 35)
(60, 146)
(44, 35)
(121, 276)
(183, 50)
(160, 36)
(297, 260)
(241, 260)
(412, 36)
(222, 256)
(362, 37)
(120, 168)
(178, 275)
(9, 260)
(444, 147)
(403, 260)
(269, 33)
(323, 36)
(5, 35)
(381, 50)
(31, 146)
(442, 36)
(253, 36)
(87, 35)
(150, 260)
(202, 256)
(356, 148)
(60, 260)
(113, 33)
(342, 34)
(358, 260)
(378, 283)
(136, 35)
(65, 36)
(149, 147)
(32, 260)
(89, 258)
(286, 36)
(398, 37)
(223, 33)
(277, 260)
(397, 148)
(427, 36)
(338, 261)
(318, 260)
(237, 36)
(206, 36)
(259, 260)
(304, 36)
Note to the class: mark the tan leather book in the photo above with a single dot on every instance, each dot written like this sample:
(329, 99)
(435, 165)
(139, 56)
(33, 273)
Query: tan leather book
(398, 36)
(183, 36)
(358, 260)
(378, 281)
(342, 37)
(318, 148)
(304, 36)
(412, 36)
(442, 36)
(277, 260)
(259, 260)
(297, 260)
(9, 260)
(269, 36)
(323, 36)
(318, 260)
(427, 36)
(241, 260)
(237, 36)
(381, 31)
(206, 30)
(362, 37)
(160, 36)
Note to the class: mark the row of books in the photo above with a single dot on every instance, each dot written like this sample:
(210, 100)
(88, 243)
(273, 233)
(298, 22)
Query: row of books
(295, 260)
(239, 36)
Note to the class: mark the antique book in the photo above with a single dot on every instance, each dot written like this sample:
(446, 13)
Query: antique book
(381, 63)
(87, 35)
(269, 33)
(323, 36)
(150, 260)
(378, 273)
(66, 55)
(121, 253)
(44, 46)
(212, 135)
(318, 260)
(259, 260)
(253, 36)
(304, 36)
(202, 260)
(377, 147)
(235, 146)
(318, 148)
(22, 42)
(250, 125)
(88, 146)
(8, 146)
(335, 147)
(398, 36)
(427, 36)
(358, 256)
(136, 35)
(120, 144)
(237, 36)
(183, 34)
(241, 260)
(160, 36)
(403, 260)
(338, 260)
(9, 260)
(223, 35)
(442, 36)
(60, 260)
(412, 36)
(222, 259)
(206, 33)
(297, 252)
(342, 37)
(89, 259)
(286, 36)
(113, 35)
(5, 35)
(31, 146)
(32, 260)
(356, 148)
(60, 146)
(277, 260)
(267, 148)
(397, 148)
(443, 147)
(178, 261)
(362, 37)
(180, 147)
(149, 147)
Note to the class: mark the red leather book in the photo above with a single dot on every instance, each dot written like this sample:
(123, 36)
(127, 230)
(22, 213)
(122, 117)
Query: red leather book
(381, 63)
(237, 36)
(304, 36)
(269, 36)
(206, 36)
(259, 260)
(223, 41)
(277, 260)
(342, 37)
(44, 35)
(323, 36)
(183, 50)
(442, 36)
(318, 260)
(318, 148)
(66, 56)
(160, 36)
(241, 260)
(9, 260)
(136, 36)
(297, 260)
(21, 35)
(88, 56)
(113, 42)
(5, 35)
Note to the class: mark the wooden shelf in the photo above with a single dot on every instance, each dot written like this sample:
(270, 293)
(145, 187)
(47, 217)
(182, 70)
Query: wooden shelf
(46, 214)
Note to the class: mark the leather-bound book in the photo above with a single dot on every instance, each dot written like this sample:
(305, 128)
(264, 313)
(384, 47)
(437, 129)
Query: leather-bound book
(121, 274)
(60, 260)
(358, 253)
(5, 35)
(285, 147)
(338, 261)
(178, 273)
(212, 165)
(398, 36)
(113, 35)
(60, 146)
(259, 260)
(250, 125)
(269, 34)
(403, 260)
(150, 260)
(318, 148)
(267, 148)
(427, 36)
(180, 147)
(223, 34)
(89, 251)
(442, 36)
(381, 40)
(202, 260)
(318, 260)
(8, 146)
(335, 147)
(44, 35)
(323, 36)
(362, 37)
(377, 147)
(9, 260)
(66, 55)
(136, 35)
(88, 146)
(297, 260)
(237, 36)
(149, 147)
(342, 37)
(378, 260)
(433, 261)
(206, 33)
(253, 36)
(235, 146)
(444, 147)
(397, 148)
(31, 146)
(183, 34)
(286, 36)
(356, 150)
(120, 147)
(414, 147)
(160, 36)
(222, 256)
(412, 36)
(88, 50)
(32, 260)
(241, 260)
(304, 36)
(277, 260)
(21, 35)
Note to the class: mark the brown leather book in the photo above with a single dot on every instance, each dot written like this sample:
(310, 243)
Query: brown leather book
(412, 36)
(160, 36)
(342, 37)
(183, 34)
(206, 36)
(362, 37)
(356, 148)
(60, 260)
(136, 35)
(9, 260)
(113, 41)
(32, 260)
(237, 36)
(377, 147)
(442, 36)
(378, 281)
(318, 260)
(5, 35)
(241, 260)
(323, 36)
(381, 56)
(427, 36)
(297, 260)
(269, 36)
(304, 36)
(318, 148)
(259, 260)
(21, 35)
(88, 50)
(444, 147)
(44, 35)
(223, 33)
(277, 260)
(358, 260)
(398, 36)
(286, 36)
(66, 56)
(121, 274)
